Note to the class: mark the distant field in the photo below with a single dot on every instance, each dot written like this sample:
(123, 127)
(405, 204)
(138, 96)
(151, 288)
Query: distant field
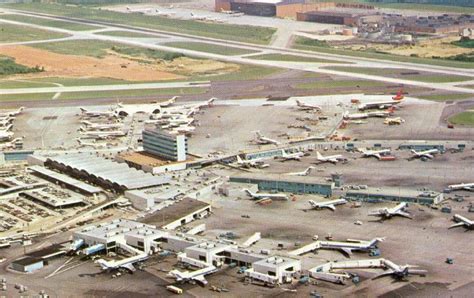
(447, 97)
(146, 53)
(92, 48)
(209, 48)
(14, 33)
(464, 118)
(303, 43)
(246, 72)
(340, 84)
(120, 33)
(49, 23)
(291, 58)
(244, 33)
(8, 66)
(48, 82)
(464, 43)
(26, 97)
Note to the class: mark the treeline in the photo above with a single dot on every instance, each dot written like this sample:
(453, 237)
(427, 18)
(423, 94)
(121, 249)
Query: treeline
(8, 66)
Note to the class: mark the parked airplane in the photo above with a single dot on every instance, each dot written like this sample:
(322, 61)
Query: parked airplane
(5, 133)
(261, 139)
(140, 11)
(375, 153)
(426, 154)
(6, 121)
(162, 13)
(350, 245)
(303, 173)
(257, 162)
(462, 186)
(386, 213)
(290, 156)
(105, 134)
(329, 204)
(399, 272)
(90, 113)
(100, 126)
(393, 121)
(169, 102)
(125, 263)
(273, 196)
(126, 110)
(12, 113)
(379, 104)
(93, 145)
(462, 221)
(198, 17)
(307, 107)
(333, 158)
(197, 276)
(10, 145)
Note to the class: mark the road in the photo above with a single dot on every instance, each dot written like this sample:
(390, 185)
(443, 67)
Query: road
(310, 67)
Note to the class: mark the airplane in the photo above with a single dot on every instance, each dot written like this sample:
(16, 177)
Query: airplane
(140, 11)
(257, 162)
(399, 95)
(329, 204)
(187, 109)
(7, 128)
(348, 116)
(462, 221)
(197, 275)
(386, 213)
(93, 145)
(400, 272)
(462, 186)
(232, 12)
(125, 263)
(333, 158)
(198, 18)
(393, 121)
(290, 156)
(350, 245)
(262, 140)
(6, 121)
(89, 113)
(380, 104)
(100, 126)
(426, 154)
(375, 153)
(126, 110)
(12, 113)
(105, 134)
(10, 145)
(6, 134)
(169, 102)
(273, 196)
(303, 173)
(162, 13)
(307, 107)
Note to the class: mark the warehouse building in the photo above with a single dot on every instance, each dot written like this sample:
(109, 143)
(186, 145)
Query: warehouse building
(291, 184)
(374, 195)
(27, 264)
(274, 270)
(163, 144)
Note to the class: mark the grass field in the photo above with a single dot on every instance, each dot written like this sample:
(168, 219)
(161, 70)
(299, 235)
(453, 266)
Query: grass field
(465, 43)
(246, 72)
(14, 33)
(447, 97)
(92, 48)
(8, 66)
(49, 23)
(340, 84)
(302, 43)
(244, 33)
(291, 58)
(26, 97)
(146, 53)
(209, 48)
(48, 82)
(464, 118)
(395, 71)
(120, 33)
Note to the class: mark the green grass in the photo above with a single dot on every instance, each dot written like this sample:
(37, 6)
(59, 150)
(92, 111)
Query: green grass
(48, 82)
(92, 48)
(120, 33)
(26, 97)
(12, 84)
(464, 118)
(246, 72)
(210, 48)
(302, 43)
(14, 33)
(464, 43)
(366, 70)
(49, 23)
(243, 33)
(291, 58)
(437, 78)
(131, 93)
(340, 84)
(146, 53)
(446, 97)
(8, 66)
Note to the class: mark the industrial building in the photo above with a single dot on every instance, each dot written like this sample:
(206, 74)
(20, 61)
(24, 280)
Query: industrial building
(163, 144)
(339, 17)
(27, 264)
(291, 184)
(274, 270)
(436, 2)
(372, 194)
(103, 172)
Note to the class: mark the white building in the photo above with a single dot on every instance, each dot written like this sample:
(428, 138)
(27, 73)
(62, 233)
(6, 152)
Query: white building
(274, 270)
(165, 145)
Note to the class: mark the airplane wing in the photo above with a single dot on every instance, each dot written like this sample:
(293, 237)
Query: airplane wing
(331, 206)
(333, 160)
(469, 188)
(377, 155)
(347, 251)
(385, 273)
(428, 156)
(200, 278)
(404, 214)
(129, 266)
(459, 224)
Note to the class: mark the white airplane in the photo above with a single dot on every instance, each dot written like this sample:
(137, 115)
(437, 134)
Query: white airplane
(127, 110)
(12, 113)
(93, 145)
(348, 116)
(89, 113)
(162, 13)
(333, 158)
(6, 121)
(425, 154)
(273, 196)
(350, 245)
(105, 134)
(257, 162)
(100, 126)
(462, 221)
(303, 173)
(125, 263)
(389, 212)
(187, 109)
(140, 11)
(232, 12)
(308, 107)
(5, 133)
(6, 128)
(380, 104)
(329, 204)
(10, 145)
(198, 275)
(262, 140)
(462, 186)
(169, 102)
(198, 17)
(374, 153)
(393, 121)
(290, 156)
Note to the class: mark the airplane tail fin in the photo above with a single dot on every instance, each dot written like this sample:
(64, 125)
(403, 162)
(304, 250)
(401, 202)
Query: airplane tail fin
(211, 101)
(248, 192)
(239, 160)
(298, 103)
(83, 110)
(318, 155)
(312, 203)
(259, 135)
